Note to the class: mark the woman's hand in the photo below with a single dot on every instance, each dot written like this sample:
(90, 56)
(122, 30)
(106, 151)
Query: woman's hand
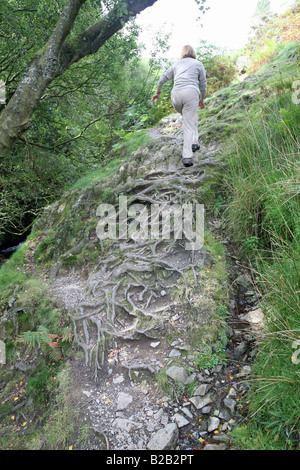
(155, 97)
(201, 104)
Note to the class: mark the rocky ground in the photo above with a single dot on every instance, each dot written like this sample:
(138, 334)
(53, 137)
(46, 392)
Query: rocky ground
(125, 408)
(126, 411)
(142, 311)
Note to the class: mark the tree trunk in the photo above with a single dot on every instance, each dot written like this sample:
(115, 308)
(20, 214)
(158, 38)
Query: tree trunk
(54, 58)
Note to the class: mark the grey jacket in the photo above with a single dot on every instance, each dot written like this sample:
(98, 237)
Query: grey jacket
(187, 73)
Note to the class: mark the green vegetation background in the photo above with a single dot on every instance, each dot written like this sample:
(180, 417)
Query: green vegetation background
(88, 123)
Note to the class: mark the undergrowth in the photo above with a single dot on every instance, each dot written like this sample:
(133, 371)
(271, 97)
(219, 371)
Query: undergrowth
(263, 213)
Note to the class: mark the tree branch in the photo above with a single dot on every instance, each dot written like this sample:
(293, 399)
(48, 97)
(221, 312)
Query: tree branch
(54, 58)
(90, 41)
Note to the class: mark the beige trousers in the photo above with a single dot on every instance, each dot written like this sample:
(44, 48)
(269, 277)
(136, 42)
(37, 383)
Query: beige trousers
(186, 102)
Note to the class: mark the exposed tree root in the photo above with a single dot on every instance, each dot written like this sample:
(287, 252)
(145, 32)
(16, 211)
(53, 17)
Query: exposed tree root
(129, 293)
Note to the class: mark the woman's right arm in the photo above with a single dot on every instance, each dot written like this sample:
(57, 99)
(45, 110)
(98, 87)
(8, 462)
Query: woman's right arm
(166, 76)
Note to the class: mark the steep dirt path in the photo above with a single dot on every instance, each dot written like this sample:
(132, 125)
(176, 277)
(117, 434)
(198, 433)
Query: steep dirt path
(139, 317)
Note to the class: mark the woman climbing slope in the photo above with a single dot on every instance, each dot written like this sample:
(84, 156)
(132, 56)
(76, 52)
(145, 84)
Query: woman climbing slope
(188, 93)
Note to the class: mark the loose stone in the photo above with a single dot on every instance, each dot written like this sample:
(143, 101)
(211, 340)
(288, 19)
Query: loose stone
(199, 402)
(164, 439)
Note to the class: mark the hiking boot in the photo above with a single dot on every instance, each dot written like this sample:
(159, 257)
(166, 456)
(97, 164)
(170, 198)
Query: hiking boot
(188, 162)
(195, 147)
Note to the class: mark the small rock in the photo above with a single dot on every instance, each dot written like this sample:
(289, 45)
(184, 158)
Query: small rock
(249, 293)
(254, 317)
(230, 404)
(187, 412)
(217, 369)
(225, 414)
(175, 353)
(181, 345)
(54, 270)
(126, 424)
(199, 402)
(2, 352)
(154, 345)
(202, 390)
(232, 422)
(232, 393)
(200, 377)
(206, 410)
(85, 392)
(164, 419)
(11, 301)
(22, 366)
(124, 399)
(215, 447)
(221, 438)
(213, 423)
(246, 370)
(158, 415)
(244, 281)
(240, 350)
(140, 444)
(118, 380)
(164, 439)
(179, 374)
(180, 420)
(165, 399)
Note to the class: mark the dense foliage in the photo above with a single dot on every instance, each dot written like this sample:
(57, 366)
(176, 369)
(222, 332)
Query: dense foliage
(81, 115)
(219, 65)
(102, 105)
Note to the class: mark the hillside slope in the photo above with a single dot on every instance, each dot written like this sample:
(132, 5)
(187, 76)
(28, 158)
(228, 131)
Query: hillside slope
(139, 344)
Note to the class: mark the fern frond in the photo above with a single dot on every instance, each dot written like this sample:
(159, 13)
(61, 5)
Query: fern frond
(50, 344)
(35, 338)
(54, 353)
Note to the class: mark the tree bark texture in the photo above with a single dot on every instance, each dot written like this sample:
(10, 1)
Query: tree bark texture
(54, 58)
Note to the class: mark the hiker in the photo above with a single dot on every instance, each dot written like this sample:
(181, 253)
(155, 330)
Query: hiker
(188, 93)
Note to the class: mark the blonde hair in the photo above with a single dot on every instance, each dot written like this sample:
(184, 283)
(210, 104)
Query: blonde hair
(188, 51)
